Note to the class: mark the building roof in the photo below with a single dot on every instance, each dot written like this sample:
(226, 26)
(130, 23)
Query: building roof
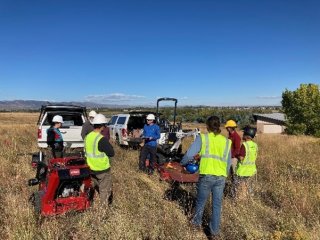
(270, 116)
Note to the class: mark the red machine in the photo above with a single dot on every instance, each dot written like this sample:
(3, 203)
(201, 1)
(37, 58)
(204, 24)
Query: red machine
(175, 173)
(64, 185)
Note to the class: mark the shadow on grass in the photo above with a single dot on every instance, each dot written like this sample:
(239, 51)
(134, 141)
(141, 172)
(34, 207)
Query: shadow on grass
(187, 200)
(183, 197)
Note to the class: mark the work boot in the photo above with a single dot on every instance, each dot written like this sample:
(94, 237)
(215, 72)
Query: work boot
(214, 237)
(150, 172)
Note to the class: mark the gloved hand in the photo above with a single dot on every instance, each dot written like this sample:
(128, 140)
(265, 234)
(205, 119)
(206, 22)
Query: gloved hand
(197, 157)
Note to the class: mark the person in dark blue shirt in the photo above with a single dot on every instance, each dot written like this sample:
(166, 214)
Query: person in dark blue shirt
(151, 133)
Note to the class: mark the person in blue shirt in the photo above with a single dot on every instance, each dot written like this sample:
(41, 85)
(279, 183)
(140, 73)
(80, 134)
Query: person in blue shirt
(151, 133)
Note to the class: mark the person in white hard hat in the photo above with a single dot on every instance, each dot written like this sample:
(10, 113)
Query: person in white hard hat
(151, 133)
(87, 127)
(54, 137)
(98, 150)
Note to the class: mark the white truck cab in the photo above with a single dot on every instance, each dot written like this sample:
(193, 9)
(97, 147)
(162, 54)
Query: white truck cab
(127, 128)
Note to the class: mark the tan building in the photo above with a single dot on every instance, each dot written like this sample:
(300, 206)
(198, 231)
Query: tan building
(270, 123)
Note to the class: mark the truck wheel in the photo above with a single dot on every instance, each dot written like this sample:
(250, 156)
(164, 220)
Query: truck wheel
(117, 139)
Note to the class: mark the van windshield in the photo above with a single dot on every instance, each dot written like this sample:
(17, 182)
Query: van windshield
(69, 119)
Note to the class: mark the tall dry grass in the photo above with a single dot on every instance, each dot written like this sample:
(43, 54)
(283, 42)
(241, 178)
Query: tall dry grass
(285, 205)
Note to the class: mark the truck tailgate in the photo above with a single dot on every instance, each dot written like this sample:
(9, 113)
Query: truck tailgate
(70, 135)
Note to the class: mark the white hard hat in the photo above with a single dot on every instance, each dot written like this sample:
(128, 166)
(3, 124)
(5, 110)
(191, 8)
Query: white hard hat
(92, 113)
(151, 117)
(99, 119)
(57, 118)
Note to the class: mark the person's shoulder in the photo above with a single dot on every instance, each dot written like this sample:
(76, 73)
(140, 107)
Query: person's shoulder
(104, 140)
(86, 123)
(223, 137)
(237, 134)
(91, 133)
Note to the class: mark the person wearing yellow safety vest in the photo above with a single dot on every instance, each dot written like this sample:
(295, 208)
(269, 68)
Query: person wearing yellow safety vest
(246, 167)
(215, 160)
(97, 152)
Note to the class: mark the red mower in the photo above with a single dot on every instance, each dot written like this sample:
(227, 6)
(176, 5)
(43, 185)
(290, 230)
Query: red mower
(64, 186)
(173, 172)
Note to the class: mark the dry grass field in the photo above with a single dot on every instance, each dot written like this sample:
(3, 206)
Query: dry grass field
(285, 204)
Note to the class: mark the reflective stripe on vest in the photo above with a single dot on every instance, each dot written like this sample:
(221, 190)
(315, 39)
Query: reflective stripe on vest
(214, 153)
(247, 167)
(97, 161)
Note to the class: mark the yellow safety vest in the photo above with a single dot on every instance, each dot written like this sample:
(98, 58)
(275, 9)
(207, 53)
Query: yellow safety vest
(214, 153)
(97, 161)
(247, 167)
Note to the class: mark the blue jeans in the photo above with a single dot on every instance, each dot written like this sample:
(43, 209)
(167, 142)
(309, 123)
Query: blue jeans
(209, 184)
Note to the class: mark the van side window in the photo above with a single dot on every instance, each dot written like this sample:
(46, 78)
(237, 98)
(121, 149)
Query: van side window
(113, 120)
(121, 120)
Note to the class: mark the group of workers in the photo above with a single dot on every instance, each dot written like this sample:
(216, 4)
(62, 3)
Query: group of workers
(218, 157)
(98, 150)
(217, 154)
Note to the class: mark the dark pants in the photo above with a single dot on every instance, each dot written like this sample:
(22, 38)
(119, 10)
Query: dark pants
(147, 151)
(103, 184)
(57, 154)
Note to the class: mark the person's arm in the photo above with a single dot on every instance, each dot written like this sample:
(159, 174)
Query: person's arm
(192, 151)
(84, 130)
(108, 133)
(157, 133)
(50, 138)
(242, 153)
(237, 144)
(105, 146)
(229, 162)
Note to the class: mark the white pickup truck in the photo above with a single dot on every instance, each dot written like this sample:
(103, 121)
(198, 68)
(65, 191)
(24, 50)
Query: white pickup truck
(127, 128)
(73, 118)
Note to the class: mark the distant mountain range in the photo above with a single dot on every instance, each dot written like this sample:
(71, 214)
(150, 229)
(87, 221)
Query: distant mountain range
(35, 105)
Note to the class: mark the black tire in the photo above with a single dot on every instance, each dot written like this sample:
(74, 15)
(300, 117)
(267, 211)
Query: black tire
(179, 151)
(117, 139)
(161, 159)
(35, 158)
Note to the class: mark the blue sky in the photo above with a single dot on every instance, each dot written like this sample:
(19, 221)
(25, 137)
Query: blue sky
(210, 52)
